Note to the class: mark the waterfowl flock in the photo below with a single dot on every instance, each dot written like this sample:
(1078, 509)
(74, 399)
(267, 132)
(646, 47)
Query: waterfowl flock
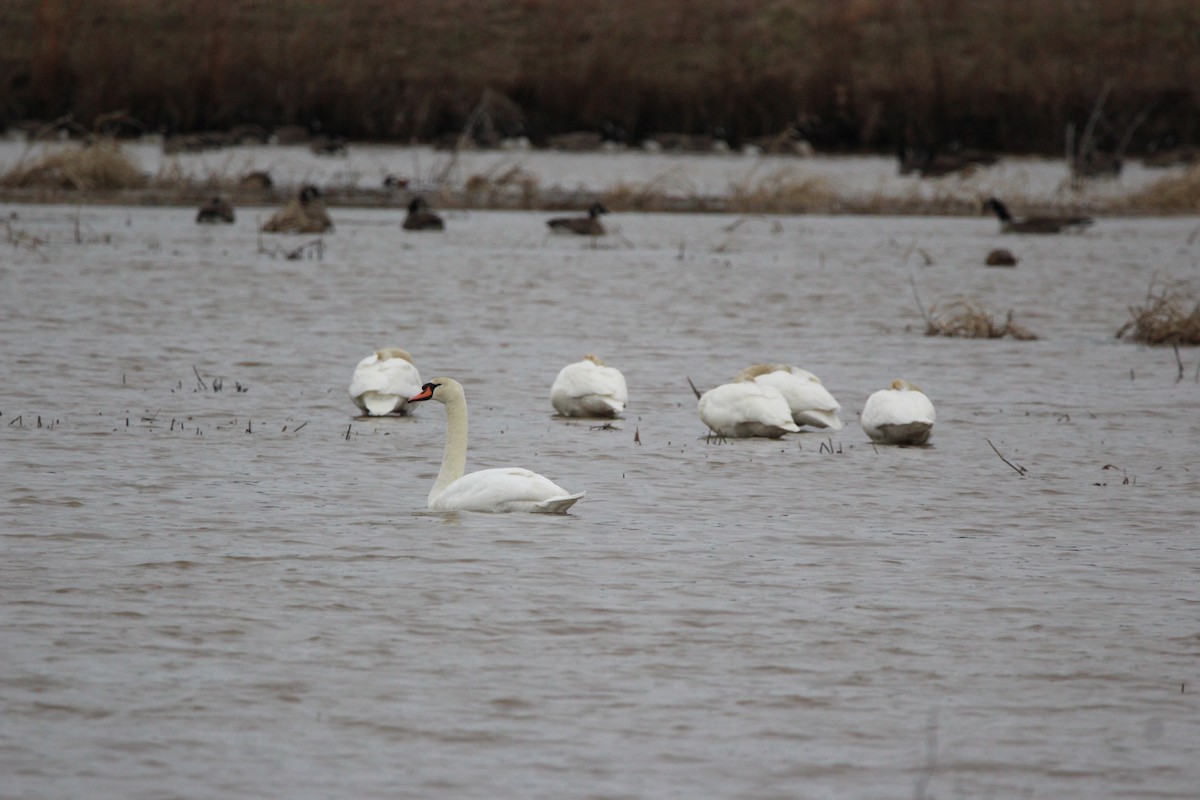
(763, 400)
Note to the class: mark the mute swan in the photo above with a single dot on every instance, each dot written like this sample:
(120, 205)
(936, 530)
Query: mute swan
(1046, 224)
(746, 408)
(582, 226)
(215, 212)
(504, 489)
(383, 382)
(588, 388)
(899, 415)
(420, 218)
(304, 214)
(810, 402)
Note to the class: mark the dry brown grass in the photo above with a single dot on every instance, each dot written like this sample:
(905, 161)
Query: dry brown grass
(1173, 193)
(966, 320)
(851, 74)
(782, 192)
(1170, 315)
(97, 167)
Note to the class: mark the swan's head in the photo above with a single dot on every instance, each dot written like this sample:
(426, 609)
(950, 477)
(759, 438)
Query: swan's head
(428, 392)
(754, 370)
(902, 385)
(444, 390)
(594, 359)
(393, 352)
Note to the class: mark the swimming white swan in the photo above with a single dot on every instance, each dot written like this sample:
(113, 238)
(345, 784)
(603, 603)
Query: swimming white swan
(588, 388)
(899, 415)
(505, 489)
(746, 408)
(383, 382)
(810, 402)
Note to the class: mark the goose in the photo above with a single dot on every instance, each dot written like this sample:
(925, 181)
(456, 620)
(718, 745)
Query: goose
(420, 218)
(899, 415)
(383, 382)
(810, 402)
(303, 214)
(215, 212)
(1032, 224)
(581, 226)
(746, 408)
(589, 388)
(492, 490)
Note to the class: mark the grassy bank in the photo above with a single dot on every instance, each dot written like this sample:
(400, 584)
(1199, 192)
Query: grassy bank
(1009, 75)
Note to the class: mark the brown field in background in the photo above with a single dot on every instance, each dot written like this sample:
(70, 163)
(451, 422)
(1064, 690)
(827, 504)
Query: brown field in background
(1008, 75)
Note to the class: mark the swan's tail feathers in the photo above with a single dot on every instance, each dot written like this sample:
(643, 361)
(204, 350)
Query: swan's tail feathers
(378, 404)
(559, 505)
(819, 419)
(616, 405)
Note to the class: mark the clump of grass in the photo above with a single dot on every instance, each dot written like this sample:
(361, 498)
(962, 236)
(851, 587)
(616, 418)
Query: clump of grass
(100, 166)
(965, 320)
(782, 192)
(1170, 315)
(1170, 193)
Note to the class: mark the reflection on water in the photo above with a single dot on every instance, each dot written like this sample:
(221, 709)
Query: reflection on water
(240, 593)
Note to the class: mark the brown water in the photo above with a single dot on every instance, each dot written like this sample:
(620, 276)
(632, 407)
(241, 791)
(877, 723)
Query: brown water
(239, 593)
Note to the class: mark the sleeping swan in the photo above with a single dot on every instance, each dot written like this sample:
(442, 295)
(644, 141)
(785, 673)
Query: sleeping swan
(507, 489)
(899, 415)
(746, 408)
(810, 402)
(588, 388)
(383, 382)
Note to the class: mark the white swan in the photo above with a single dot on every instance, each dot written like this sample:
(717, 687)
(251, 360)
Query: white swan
(588, 388)
(810, 402)
(746, 408)
(383, 382)
(899, 415)
(505, 489)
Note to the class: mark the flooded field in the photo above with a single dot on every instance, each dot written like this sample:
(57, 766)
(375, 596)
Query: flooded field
(218, 582)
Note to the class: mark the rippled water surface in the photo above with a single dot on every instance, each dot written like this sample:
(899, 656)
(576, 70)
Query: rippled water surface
(238, 593)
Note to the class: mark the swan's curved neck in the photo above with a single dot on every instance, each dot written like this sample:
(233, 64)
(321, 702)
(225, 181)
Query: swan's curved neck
(454, 459)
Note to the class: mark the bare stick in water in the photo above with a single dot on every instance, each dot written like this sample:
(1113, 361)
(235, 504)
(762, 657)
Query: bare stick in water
(917, 297)
(1019, 470)
(694, 389)
(203, 385)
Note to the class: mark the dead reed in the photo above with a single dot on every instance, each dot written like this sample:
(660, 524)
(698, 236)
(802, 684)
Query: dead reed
(1172, 193)
(1170, 315)
(100, 166)
(966, 320)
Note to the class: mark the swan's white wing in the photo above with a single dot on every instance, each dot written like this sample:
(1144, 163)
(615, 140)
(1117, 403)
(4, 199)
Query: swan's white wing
(810, 402)
(746, 408)
(504, 489)
(588, 389)
(381, 387)
(898, 417)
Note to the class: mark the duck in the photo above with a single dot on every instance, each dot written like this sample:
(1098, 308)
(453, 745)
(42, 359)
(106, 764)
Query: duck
(215, 212)
(746, 408)
(383, 382)
(589, 388)
(1045, 224)
(810, 402)
(581, 226)
(498, 490)
(305, 213)
(420, 218)
(902, 414)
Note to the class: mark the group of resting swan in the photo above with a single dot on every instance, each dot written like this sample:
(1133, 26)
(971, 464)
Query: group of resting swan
(762, 400)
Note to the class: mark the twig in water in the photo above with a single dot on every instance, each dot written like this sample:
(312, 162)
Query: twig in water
(1020, 470)
(348, 427)
(917, 297)
(637, 437)
(694, 389)
(301, 425)
(203, 385)
(1178, 361)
